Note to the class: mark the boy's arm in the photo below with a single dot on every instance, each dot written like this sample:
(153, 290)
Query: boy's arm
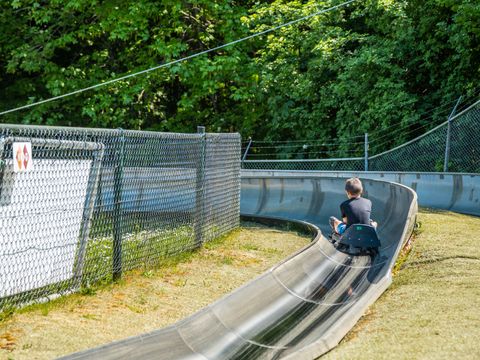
(344, 216)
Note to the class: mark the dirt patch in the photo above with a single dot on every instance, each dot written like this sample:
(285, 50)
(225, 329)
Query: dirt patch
(8, 339)
(145, 300)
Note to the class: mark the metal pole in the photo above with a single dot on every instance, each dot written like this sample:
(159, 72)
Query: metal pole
(449, 131)
(199, 198)
(248, 148)
(366, 152)
(93, 187)
(117, 209)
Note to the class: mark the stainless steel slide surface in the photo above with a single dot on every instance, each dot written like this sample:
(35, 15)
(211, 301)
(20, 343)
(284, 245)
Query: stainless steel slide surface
(300, 308)
(459, 192)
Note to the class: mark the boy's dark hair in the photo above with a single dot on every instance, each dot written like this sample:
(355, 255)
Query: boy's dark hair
(354, 186)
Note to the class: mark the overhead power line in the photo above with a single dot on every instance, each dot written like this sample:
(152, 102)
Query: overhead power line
(108, 82)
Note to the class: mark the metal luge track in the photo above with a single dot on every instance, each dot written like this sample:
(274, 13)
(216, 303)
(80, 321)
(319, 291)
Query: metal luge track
(459, 192)
(303, 306)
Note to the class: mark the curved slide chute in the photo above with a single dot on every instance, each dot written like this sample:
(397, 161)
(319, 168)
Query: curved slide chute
(458, 192)
(302, 307)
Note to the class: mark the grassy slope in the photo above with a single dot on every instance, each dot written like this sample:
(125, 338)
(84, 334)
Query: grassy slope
(431, 311)
(144, 301)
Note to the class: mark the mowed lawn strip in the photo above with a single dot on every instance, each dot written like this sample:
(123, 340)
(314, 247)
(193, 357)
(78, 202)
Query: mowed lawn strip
(145, 300)
(431, 311)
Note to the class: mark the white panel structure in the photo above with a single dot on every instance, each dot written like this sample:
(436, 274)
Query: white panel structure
(43, 210)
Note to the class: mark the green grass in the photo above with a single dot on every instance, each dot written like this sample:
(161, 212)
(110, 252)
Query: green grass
(429, 312)
(147, 249)
(431, 309)
(144, 299)
(144, 249)
(141, 249)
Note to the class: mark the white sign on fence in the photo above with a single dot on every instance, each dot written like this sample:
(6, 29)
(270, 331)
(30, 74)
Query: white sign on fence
(22, 157)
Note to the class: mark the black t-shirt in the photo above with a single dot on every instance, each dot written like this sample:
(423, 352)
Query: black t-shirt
(356, 210)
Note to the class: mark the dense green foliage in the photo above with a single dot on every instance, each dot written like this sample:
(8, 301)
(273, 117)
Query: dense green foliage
(371, 66)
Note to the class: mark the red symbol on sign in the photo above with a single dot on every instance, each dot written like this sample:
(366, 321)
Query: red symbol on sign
(19, 158)
(26, 156)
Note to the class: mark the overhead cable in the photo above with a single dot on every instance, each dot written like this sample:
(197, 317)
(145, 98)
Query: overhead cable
(108, 82)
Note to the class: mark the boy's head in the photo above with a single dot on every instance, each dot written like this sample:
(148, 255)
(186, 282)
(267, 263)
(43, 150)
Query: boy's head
(353, 187)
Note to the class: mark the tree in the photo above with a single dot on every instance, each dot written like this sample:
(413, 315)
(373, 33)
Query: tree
(390, 68)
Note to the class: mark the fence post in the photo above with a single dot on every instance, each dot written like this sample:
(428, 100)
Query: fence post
(117, 208)
(199, 189)
(246, 150)
(93, 188)
(366, 152)
(448, 140)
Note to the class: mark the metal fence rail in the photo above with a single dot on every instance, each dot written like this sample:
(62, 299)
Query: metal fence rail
(453, 146)
(340, 164)
(98, 202)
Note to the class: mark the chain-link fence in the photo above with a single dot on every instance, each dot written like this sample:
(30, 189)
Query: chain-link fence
(425, 153)
(464, 154)
(80, 205)
(318, 165)
(453, 146)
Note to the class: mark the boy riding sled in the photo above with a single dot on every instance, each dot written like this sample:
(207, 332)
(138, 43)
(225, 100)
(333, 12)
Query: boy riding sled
(355, 210)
